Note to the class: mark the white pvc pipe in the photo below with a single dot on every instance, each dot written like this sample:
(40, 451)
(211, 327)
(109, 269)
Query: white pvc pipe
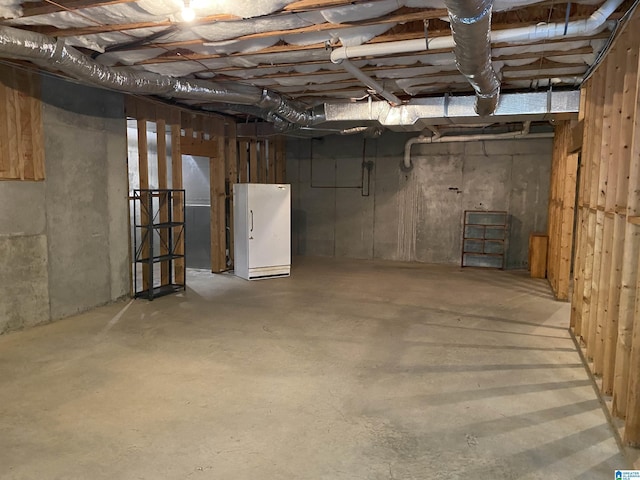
(592, 25)
(524, 133)
(370, 82)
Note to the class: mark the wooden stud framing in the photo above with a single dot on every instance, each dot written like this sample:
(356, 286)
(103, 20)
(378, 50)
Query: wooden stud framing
(609, 322)
(231, 161)
(161, 139)
(281, 160)
(626, 203)
(631, 278)
(143, 170)
(263, 167)
(271, 161)
(593, 169)
(561, 211)
(178, 206)
(253, 161)
(218, 202)
(243, 161)
(21, 137)
(606, 299)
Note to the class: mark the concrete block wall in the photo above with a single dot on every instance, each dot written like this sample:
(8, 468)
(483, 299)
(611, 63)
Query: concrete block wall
(416, 215)
(64, 241)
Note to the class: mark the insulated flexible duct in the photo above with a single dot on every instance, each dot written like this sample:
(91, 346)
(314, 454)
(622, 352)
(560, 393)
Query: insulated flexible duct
(471, 30)
(16, 43)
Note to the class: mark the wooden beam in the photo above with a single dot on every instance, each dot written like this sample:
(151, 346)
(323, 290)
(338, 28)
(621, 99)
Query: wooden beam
(596, 318)
(632, 421)
(262, 166)
(161, 141)
(575, 142)
(628, 328)
(253, 161)
(577, 299)
(143, 171)
(31, 9)
(218, 203)
(198, 147)
(320, 46)
(254, 71)
(281, 159)
(243, 161)
(231, 161)
(305, 5)
(608, 292)
(37, 133)
(591, 193)
(123, 27)
(179, 201)
(561, 212)
(271, 161)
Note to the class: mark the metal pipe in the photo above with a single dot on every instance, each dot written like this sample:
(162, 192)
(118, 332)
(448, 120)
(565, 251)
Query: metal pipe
(592, 25)
(470, 22)
(524, 133)
(16, 43)
(370, 82)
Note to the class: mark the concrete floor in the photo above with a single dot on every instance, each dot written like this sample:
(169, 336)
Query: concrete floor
(346, 370)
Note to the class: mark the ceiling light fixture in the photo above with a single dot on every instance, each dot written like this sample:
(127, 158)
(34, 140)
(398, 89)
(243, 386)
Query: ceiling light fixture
(188, 15)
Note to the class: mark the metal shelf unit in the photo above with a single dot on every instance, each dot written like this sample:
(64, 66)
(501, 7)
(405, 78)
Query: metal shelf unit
(157, 239)
(484, 239)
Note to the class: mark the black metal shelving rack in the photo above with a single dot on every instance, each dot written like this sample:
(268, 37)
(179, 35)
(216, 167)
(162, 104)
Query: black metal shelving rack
(149, 227)
(484, 239)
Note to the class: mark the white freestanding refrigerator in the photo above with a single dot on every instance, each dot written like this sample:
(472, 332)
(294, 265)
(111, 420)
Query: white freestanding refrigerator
(262, 230)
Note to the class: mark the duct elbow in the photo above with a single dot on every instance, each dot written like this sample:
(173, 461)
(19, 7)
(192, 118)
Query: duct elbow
(471, 28)
(487, 104)
(338, 55)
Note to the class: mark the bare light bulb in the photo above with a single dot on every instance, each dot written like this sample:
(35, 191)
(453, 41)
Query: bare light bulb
(188, 15)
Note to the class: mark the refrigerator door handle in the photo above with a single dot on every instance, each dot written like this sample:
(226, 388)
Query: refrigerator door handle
(251, 220)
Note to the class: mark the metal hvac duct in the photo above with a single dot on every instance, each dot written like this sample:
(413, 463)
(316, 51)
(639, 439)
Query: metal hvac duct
(471, 30)
(16, 43)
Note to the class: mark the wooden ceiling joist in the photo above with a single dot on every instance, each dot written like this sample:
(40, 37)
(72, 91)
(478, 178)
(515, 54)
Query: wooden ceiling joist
(31, 9)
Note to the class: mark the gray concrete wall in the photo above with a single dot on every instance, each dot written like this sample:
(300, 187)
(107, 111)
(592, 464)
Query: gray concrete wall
(64, 241)
(416, 215)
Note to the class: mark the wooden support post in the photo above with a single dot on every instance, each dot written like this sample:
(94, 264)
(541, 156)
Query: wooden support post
(607, 292)
(281, 160)
(262, 154)
(554, 207)
(577, 302)
(37, 135)
(632, 421)
(218, 202)
(143, 171)
(6, 160)
(593, 169)
(243, 161)
(231, 155)
(161, 139)
(599, 253)
(271, 161)
(253, 161)
(628, 327)
(561, 212)
(13, 116)
(24, 127)
(218, 232)
(568, 222)
(178, 205)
